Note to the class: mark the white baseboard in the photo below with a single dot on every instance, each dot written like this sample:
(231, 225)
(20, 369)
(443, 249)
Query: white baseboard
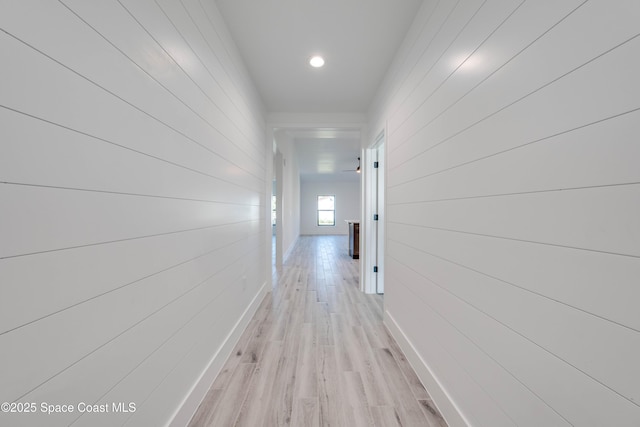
(190, 404)
(440, 397)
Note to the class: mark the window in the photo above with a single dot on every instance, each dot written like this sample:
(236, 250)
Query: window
(273, 210)
(326, 210)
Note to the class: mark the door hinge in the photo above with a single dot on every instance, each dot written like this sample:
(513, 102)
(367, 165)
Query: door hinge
(375, 165)
(375, 268)
(375, 217)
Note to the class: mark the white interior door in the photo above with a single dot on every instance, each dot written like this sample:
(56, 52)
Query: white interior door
(378, 229)
(372, 268)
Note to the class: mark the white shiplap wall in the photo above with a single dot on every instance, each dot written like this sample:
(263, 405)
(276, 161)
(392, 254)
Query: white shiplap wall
(513, 245)
(132, 169)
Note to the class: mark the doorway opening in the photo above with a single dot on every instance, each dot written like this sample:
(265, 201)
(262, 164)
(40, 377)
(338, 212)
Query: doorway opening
(276, 210)
(274, 218)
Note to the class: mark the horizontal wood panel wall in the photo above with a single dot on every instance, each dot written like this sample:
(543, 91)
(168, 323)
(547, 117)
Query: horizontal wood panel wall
(132, 231)
(513, 191)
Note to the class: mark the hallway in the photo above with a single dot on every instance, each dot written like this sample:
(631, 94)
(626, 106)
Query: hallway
(140, 143)
(316, 354)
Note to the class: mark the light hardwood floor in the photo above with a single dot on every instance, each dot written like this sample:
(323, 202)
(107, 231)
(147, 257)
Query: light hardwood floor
(317, 354)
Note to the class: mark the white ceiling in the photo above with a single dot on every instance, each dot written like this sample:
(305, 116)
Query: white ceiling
(327, 154)
(357, 38)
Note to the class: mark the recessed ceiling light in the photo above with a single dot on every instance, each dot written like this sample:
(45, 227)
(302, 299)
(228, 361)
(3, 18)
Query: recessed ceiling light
(316, 61)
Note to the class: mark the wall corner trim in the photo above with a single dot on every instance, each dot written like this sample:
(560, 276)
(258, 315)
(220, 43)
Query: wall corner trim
(285, 256)
(192, 401)
(440, 397)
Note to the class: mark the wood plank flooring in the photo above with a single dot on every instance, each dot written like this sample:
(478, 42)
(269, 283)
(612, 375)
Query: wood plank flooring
(317, 354)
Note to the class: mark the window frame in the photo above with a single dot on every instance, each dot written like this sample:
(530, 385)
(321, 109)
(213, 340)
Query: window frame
(318, 210)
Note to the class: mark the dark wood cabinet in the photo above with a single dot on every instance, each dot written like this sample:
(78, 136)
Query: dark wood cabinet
(354, 239)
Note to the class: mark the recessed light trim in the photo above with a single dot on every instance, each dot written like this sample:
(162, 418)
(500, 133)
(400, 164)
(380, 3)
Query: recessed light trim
(316, 61)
